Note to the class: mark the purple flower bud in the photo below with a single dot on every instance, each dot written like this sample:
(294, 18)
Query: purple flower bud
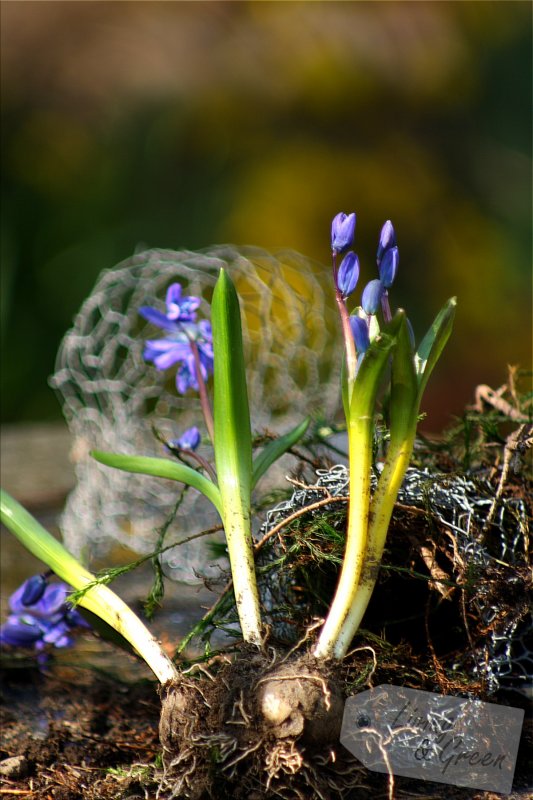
(41, 619)
(342, 232)
(372, 294)
(186, 377)
(32, 590)
(389, 267)
(51, 601)
(348, 274)
(20, 631)
(360, 334)
(387, 239)
(189, 440)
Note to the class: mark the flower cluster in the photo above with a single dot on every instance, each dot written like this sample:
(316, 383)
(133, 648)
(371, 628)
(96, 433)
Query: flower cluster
(375, 293)
(40, 616)
(187, 342)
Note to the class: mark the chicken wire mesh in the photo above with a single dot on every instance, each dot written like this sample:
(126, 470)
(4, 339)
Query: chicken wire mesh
(461, 505)
(111, 397)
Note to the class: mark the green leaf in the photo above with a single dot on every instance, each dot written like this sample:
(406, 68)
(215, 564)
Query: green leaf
(372, 368)
(433, 343)
(162, 468)
(233, 450)
(340, 626)
(403, 405)
(275, 449)
(233, 435)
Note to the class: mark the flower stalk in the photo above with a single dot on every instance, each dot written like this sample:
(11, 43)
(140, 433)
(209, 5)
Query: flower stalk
(202, 391)
(360, 415)
(369, 517)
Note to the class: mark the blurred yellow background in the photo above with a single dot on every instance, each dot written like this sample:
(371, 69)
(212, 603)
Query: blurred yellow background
(183, 124)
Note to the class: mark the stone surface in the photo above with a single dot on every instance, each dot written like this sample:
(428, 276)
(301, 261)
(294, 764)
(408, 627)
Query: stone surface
(34, 463)
(14, 767)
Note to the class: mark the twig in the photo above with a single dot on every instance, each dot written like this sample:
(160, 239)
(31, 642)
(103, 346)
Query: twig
(519, 440)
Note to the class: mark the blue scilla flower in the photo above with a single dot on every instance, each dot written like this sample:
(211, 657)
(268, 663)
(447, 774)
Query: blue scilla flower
(371, 297)
(185, 341)
(348, 274)
(33, 590)
(389, 266)
(360, 333)
(342, 232)
(387, 239)
(189, 440)
(179, 309)
(164, 353)
(48, 620)
(187, 376)
(21, 631)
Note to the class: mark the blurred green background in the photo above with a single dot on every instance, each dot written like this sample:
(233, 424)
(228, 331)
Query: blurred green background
(130, 125)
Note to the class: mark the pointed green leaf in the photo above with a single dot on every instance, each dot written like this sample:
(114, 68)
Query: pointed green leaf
(403, 407)
(233, 435)
(338, 629)
(275, 449)
(372, 367)
(162, 468)
(233, 450)
(433, 343)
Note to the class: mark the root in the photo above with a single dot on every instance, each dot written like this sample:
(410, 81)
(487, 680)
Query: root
(263, 726)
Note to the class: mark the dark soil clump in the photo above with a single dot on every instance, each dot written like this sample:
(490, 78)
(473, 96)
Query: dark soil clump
(76, 737)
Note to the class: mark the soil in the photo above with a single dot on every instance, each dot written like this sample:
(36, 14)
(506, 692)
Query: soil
(81, 735)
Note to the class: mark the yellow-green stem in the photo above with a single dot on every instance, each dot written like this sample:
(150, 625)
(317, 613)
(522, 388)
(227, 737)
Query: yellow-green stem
(241, 555)
(331, 643)
(381, 510)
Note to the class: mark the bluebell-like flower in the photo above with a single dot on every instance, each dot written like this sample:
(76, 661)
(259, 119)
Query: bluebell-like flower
(51, 601)
(33, 590)
(181, 308)
(389, 266)
(177, 348)
(166, 352)
(189, 440)
(186, 377)
(387, 239)
(371, 298)
(348, 274)
(20, 631)
(342, 232)
(49, 620)
(360, 333)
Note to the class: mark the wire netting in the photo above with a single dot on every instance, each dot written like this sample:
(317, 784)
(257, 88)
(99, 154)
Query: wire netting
(460, 505)
(111, 397)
